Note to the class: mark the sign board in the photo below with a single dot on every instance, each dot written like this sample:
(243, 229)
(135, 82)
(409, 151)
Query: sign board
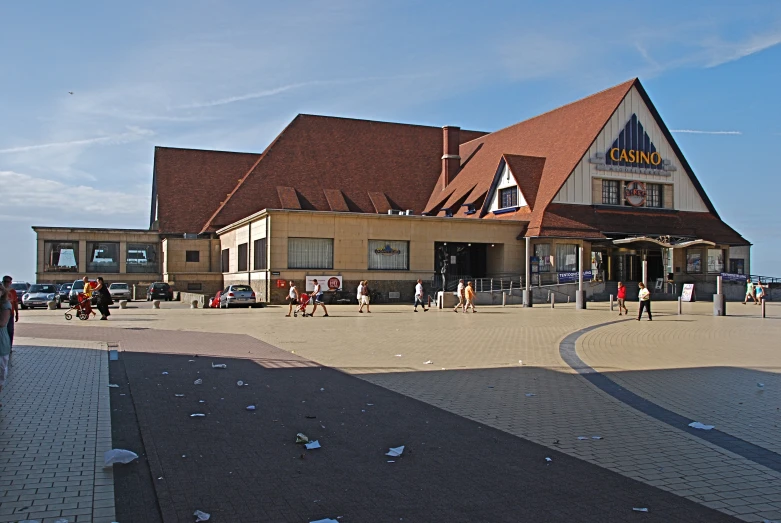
(275, 273)
(534, 262)
(688, 292)
(728, 276)
(452, 260)
(634, 192)
(633, 152)
(572, 277)
(330, 283)
(659, 283)
(281, 284)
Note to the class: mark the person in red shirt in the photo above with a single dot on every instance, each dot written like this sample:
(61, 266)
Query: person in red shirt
(621, 299)
(13, 297)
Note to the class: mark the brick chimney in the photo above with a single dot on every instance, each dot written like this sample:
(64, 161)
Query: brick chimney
(451, 161)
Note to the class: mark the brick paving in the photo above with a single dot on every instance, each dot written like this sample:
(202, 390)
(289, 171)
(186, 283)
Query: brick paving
(54, 429)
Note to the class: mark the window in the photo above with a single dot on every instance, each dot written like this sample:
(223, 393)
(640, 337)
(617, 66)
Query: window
(508, 197)
(310, 253)
(653, 195)
(259, 255)
(194, 286)
(243, 257)
(192, 256)
(737, 265)
(542, 251)
(694, 261)
(388, 255)
(566, 257)
(61, 256)
(141, 257)
(610, 192)
(102, 257)
(715, 260)
(225, 260)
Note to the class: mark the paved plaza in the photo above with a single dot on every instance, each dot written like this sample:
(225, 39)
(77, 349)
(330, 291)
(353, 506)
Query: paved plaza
(480, 400)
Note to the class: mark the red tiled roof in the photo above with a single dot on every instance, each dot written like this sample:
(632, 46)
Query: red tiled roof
(336, 200)
(561, 136)
(191, 183)
(527, 171)
(288, 198)
(356, 156)
(380, 202)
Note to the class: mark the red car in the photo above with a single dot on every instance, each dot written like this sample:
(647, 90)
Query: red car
(215, 302)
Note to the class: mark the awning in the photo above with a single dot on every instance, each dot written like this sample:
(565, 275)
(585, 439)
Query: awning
(643, 241)
(691, 243)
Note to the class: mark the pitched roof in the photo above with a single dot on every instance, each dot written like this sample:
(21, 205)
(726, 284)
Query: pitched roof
(191, 183)
(527, 171)
(561, 136)
(314, 153)
(336, 200)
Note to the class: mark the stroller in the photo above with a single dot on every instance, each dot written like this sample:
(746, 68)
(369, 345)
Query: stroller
(83, 308)
(303, 301)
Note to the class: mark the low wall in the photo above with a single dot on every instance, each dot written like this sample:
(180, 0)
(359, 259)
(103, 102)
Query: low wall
(188, 297)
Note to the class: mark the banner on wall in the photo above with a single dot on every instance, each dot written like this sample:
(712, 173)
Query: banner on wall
(327, 283)
(728, 276)
(572, 277)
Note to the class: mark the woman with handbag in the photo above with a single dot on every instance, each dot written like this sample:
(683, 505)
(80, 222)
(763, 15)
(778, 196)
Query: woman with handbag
(104, 298)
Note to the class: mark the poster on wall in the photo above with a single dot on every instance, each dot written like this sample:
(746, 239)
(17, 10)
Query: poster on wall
(688, 292)
(330, 283)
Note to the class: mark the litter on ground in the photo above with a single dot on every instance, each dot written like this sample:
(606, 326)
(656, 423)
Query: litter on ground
(165, 374)
(179, 395)
(395, 452)
(313, 445)
(118, 456)
(596, 437)
(198, 415)
(302, 438)
(326, 520)
(581, 438)
(549, 460)
(429, 362)
(636, 509)
(701, 426)
(201, 516)
(219, 366)
(199, 381)
(240, 383)
(250, 407)
(530, 394)
(113, 386)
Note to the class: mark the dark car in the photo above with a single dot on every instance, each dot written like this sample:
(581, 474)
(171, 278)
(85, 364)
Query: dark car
(64, 291)
(21, 288)
(159, 291)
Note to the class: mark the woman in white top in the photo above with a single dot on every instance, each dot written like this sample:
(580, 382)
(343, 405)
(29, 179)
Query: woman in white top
(358, 294)
(293, 297)
(645, 301)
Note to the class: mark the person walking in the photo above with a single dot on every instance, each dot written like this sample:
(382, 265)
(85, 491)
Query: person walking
(364, 299)
(460, 292)
(751, 292)
(358, 294)
(419, 297)
(292, 295)
(622, 299)
(760, 291)
(317, 299)
(469, 293)
(103, 298)
(13, 297)
(88, 289)
(5, 341)
(645, 301)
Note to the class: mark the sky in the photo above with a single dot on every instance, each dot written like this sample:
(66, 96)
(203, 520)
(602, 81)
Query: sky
(229, 75)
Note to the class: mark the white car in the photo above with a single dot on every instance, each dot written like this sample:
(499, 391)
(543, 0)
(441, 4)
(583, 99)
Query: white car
(119, 291)
(39, 294)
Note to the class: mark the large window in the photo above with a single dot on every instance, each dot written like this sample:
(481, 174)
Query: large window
(388, 255)
(102, 257)
(192, 256)
(61, 256)
(542, 251)
(508, 197)
(243, 256)
(259, 255)
(310, 253)
(737, 265)
(141, 257)
(225, 260)
(694, 261)
(653, 195)
(566, 257)
(715, 260)
(610, 192)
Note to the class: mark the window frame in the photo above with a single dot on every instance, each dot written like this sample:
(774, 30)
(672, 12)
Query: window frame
(654, 193)
(692, 253)
(188, 254)
(225, 260)
(560, 267)
(513, 201)
(716, 270)
(292, 262)
(607, 190)
(372, 256)
(107, 268)
(48, 247)
(546, 261)
(151, 252)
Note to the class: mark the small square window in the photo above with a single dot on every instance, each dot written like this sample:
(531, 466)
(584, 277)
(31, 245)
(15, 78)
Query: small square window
(610, 192)
(194, 286)
(508, 197)
(653, 195)
(192, 256)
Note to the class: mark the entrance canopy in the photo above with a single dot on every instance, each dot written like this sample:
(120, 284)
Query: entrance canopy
(667, 242)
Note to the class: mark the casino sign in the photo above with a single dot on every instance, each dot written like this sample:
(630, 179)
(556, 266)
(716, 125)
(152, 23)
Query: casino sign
(633, 152)
(634, 193)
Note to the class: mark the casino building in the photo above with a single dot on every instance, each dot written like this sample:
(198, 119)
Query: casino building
(352, 200)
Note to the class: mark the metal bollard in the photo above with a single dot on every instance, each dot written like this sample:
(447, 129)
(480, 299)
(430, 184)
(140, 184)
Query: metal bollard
(611, 303)
(568, 297)
(762, 305)
(680, 305)
(504, 299)
(552, 301)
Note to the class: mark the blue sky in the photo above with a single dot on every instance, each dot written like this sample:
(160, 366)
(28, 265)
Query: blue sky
(229, 75)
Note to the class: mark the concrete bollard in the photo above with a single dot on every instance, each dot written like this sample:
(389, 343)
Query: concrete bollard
(504, 299)
(719, 305)
(762, 306)
(680, 305)
(51, 305)
(580, 300)
(194, 304)
(156, 304)
(552, 301)
(611, 303)
(123, 304)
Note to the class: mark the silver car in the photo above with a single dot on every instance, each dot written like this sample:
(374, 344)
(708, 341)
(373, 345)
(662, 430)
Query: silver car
(39, 294)
(237, 295)
(119, 291)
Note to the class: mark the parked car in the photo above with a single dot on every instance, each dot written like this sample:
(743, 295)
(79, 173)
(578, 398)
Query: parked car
(64, 291)
(77, 287)
(234, 295)
(119, 291)
(21, 287)
(39, 294)
(215, 302)
(159, 291)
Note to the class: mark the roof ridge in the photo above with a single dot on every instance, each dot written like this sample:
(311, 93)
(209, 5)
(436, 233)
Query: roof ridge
(202, 150)
(401, 124)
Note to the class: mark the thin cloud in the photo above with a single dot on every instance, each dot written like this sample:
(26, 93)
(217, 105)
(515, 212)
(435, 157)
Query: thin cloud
(134, 134)
(695, 131)
(723, 54)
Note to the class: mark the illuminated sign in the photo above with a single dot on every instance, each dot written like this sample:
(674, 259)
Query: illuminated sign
(633, 152)
(635, 194)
